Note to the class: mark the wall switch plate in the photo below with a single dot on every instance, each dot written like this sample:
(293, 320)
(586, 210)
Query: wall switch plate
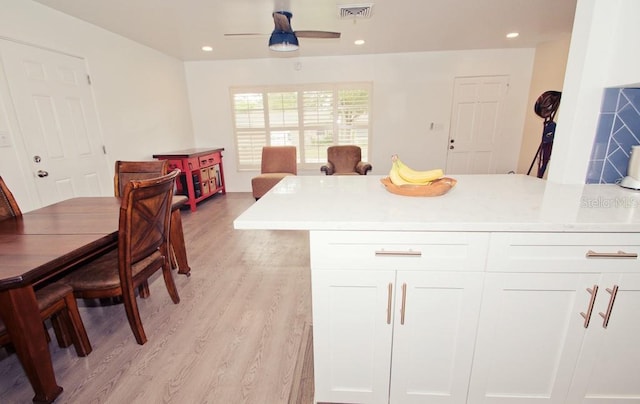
(5, 140)
(436, 126)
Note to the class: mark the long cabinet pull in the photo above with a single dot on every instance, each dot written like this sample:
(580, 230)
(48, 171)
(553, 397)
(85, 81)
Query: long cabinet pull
(404, 302)
(613, 292)
(619, 254)
(407, 253)
(587, 316)
(389, 297)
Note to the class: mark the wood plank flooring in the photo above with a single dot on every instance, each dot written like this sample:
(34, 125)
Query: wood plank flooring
(235, 336)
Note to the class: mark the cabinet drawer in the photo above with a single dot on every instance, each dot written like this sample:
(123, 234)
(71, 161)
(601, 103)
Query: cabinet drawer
(398, 250)
(204, 174)
(209, 159)
(173, 164)
(564, 252)
(206, 189)
(192, 164)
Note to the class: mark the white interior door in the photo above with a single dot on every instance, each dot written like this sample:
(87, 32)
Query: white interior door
(475, 124)
(52, 99)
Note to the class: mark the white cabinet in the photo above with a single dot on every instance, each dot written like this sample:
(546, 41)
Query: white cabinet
(416, 317)
(608, 369)
(422, 322)
(434, 336)
(529, 336)
(389, 323)
(351, 335)
(534, 340)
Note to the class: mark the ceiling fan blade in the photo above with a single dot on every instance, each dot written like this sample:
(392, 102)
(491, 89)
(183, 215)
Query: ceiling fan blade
(317, 34)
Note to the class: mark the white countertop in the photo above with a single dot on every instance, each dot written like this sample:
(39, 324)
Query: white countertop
(508, 202)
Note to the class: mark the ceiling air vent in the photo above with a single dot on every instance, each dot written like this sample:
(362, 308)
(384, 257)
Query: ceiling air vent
(355, 11)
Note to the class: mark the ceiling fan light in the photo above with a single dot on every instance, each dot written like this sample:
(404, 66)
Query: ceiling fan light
(281, 41)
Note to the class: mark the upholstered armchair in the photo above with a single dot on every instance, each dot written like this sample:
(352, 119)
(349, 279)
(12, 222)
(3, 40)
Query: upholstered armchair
(277, 163)
(345, 160)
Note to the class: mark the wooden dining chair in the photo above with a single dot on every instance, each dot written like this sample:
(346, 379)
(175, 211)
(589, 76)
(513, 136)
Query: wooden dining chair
(57, 302)
(143, 247)
(8, 205)
(126, 171)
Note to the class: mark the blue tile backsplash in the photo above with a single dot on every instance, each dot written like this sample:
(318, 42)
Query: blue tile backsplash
(618, 130)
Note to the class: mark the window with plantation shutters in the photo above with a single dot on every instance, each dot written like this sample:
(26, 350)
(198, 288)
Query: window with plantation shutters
(310, 117)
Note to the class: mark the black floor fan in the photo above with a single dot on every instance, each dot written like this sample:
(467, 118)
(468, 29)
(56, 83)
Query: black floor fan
(546, 107)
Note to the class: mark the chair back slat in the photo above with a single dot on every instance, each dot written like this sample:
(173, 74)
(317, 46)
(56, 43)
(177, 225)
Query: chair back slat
(126, 171)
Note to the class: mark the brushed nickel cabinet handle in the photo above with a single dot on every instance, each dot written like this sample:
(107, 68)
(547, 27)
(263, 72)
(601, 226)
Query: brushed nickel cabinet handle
(587, 316)
(408, 253)
(389, 295)
(613, 292)
(619, 254)
(404, 302)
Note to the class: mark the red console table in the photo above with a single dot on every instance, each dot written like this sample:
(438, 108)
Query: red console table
(202, 173)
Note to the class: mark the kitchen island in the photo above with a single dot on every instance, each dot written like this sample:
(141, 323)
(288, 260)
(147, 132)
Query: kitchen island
(506, 289)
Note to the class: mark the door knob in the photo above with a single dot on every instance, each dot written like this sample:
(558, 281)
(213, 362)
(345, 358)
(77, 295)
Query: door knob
(42, 173)
(451, 147)
(37, 159)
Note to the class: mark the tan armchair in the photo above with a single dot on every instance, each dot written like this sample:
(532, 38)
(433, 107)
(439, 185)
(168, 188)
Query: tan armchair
(277, 163)
(345, 160)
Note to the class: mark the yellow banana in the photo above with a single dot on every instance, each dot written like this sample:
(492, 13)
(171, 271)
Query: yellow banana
(416, 177)
(395, 177)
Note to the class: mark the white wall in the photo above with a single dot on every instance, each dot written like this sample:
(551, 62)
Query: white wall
(409, 92)
(604, 53)
(140, 94)
(143, 108)
(624, 66)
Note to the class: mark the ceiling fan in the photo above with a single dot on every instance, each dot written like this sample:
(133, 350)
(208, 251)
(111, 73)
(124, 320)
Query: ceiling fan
(284, 38)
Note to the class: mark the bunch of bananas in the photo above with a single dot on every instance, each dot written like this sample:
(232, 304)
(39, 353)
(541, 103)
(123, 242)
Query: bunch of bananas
(401, 174)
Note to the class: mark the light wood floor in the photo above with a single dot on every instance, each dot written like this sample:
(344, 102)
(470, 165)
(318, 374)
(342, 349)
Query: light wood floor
(234, 337)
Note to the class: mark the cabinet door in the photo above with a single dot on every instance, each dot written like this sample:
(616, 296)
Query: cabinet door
(434, 335)
(609, 366)
(529, 336)
(352, 331)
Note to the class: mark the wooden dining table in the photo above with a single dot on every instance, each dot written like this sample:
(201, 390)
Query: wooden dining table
(40, 245)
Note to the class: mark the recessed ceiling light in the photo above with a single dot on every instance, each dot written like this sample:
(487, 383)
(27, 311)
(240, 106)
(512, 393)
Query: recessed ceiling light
(359, 42)
(512, 35)
(207, 48)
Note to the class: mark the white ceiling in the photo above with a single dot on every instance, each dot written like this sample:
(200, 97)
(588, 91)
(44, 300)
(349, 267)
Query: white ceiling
(181, 27)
